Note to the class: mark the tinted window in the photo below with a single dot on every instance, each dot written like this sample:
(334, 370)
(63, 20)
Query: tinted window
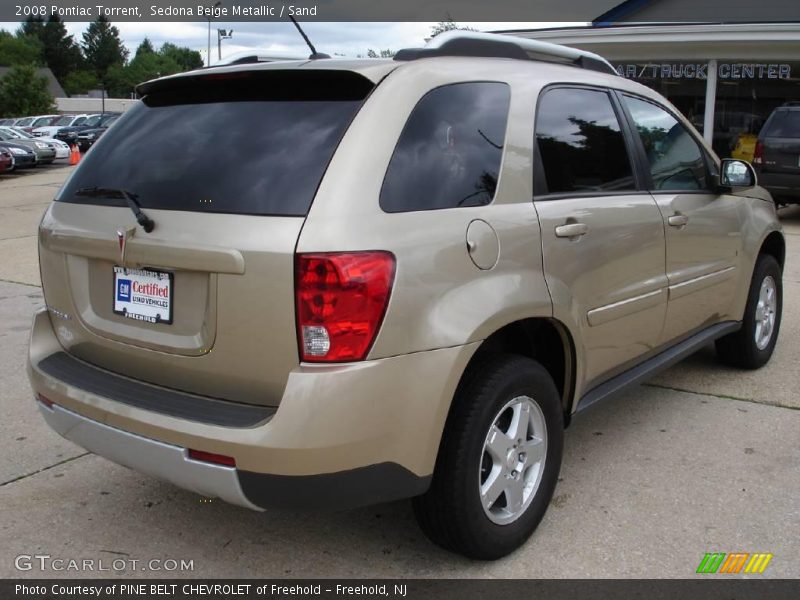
(450, 149)
(580, 142)
(784, 123)
(675, 158)
(232, 147)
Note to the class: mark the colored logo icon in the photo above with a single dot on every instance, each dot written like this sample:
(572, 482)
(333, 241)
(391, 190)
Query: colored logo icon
(733, 563)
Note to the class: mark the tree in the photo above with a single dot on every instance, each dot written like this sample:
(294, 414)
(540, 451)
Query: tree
(19, 50)
(146, 47)
(103, 48)
(387, 53)
(23, 92)
(80, 82)
(60, 51)
(447, 25)
(187, 59)
(122, 81)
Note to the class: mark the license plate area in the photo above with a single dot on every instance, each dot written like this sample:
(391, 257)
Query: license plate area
(143, 295)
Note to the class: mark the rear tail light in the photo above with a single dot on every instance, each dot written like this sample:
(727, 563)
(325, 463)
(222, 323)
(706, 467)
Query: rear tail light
(341, 300)
(210, 457)
(758, 154)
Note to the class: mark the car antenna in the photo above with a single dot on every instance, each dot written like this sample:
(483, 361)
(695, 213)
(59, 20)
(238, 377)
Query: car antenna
(314, 54)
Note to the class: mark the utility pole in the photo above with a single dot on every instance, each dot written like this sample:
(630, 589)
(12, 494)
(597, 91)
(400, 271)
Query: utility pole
(210, 17)
(222, 34)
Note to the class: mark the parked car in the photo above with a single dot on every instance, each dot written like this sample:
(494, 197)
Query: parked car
(24, 156)
(43, 121)
(87, 138)
(24, 122)
(6, 160)
(60, 148)
(777, 154)
(70, 134)
(45, 153)
(411, 276)
(64, 121)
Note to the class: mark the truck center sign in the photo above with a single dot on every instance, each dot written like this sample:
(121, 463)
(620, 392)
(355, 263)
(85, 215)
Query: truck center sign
(700, 71)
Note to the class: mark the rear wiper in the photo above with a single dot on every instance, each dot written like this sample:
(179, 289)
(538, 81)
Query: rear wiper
(130, 199)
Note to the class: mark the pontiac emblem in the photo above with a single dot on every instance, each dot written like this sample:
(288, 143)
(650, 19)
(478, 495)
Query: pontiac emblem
(123, 235)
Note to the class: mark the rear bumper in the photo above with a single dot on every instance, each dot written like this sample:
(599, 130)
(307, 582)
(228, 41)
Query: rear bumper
(164, 461)
(343, 436)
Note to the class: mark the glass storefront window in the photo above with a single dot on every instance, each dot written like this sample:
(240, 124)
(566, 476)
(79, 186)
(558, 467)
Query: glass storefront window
(747, 92)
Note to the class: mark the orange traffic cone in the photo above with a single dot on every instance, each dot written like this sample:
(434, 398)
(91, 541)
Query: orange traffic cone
(74, 155)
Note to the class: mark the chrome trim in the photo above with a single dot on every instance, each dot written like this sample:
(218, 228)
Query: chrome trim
(163, 461)
(623, 308)
(684, 288)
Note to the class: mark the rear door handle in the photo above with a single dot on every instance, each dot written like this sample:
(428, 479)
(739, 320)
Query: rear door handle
(571, 230)
(678, 220)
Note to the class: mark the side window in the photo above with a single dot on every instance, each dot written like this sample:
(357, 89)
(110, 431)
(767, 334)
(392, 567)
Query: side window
(449, 152)
(675, 158)
(581, 143)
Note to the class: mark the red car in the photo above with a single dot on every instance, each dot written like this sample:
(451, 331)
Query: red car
(6, 160)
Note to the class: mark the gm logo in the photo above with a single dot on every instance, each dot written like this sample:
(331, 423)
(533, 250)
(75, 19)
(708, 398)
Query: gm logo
(716, 562)
(124, 290)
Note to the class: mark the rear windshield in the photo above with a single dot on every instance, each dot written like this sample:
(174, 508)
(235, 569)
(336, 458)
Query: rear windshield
(784, 123)
(248, 144)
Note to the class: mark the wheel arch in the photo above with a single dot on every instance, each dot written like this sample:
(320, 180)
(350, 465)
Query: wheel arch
(774, 245)
(544, 339)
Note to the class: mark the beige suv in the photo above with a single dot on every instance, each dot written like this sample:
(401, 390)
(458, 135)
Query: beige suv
(331, 283)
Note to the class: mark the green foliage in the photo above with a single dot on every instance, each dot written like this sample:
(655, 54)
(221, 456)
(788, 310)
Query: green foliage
(122, 81)
(60, 51)
(19, 50)
(103, 48)
(23, 92)
(80, 82)
(187, 59)
(387, 53)
(146, 47)
(447, 25)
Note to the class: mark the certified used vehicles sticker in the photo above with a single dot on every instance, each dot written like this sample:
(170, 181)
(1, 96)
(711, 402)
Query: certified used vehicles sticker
(143, 294)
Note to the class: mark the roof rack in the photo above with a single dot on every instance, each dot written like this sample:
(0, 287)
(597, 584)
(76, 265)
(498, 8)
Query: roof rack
(493, 45)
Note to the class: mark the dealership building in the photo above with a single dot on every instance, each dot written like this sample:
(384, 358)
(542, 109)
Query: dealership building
(725, 77)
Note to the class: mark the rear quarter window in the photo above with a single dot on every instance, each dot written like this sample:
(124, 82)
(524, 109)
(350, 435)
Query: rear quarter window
(784, 123)
(449, 152)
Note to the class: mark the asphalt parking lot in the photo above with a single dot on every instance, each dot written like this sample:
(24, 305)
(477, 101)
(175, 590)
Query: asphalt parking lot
(704, 458)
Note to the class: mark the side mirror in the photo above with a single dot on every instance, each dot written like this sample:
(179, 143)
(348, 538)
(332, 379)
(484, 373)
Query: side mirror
(736, 174)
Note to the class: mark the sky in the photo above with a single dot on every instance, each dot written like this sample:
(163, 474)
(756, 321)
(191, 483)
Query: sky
(281, 38)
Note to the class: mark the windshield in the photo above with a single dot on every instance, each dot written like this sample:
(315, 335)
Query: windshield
(41, 122)
(227, 148)
(79, 121)
(106, 118)
(25, 122)
(92, 121)
(65, 120)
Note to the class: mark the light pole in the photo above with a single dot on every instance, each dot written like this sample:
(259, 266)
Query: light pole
(210, 16)
(222, 34)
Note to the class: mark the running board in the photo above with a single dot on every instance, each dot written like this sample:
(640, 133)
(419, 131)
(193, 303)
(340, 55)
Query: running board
(656, 364)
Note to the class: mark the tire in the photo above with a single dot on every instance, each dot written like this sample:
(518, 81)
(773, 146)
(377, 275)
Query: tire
(497, 392)
(752, 346)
